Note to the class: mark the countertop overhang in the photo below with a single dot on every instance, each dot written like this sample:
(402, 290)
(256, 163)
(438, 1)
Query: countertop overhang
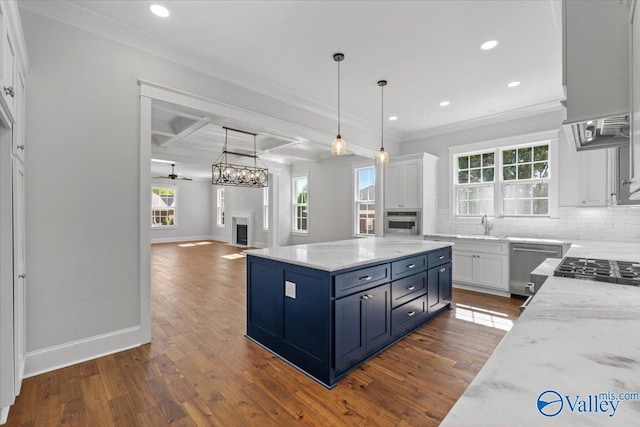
(343, 254)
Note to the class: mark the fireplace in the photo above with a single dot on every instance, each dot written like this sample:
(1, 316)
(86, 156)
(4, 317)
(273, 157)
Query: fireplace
(242, 234)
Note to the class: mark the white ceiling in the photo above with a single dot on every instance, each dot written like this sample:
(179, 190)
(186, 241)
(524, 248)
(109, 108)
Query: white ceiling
(429, 51)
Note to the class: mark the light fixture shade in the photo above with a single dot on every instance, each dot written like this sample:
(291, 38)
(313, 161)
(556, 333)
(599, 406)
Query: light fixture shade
(382, 158)
(338, 147)
(254, 175)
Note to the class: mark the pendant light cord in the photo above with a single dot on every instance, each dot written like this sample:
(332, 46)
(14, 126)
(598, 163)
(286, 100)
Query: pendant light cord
(382, 117)
(338, 97)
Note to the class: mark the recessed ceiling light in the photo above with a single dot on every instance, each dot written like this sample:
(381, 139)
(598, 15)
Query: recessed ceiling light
(444, 103)
(159, 10)
(513, 84)
(489, 44)
(392, 118)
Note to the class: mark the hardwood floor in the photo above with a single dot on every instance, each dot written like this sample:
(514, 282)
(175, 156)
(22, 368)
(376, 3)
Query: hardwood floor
(201, 370)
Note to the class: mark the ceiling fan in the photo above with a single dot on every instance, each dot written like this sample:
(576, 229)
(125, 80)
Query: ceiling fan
(173, 174)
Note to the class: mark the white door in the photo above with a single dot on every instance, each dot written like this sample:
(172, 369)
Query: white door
(491, 272)
(392, 196)
(463, 271)
(411, 185)
(19, 291)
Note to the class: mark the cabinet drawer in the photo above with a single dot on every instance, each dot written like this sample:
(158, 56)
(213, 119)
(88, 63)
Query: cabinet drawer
(409, 315)
(441, 256)
(359, 280)
(408, 266)
(404, 290)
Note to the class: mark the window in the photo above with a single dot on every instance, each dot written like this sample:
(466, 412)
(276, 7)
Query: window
(518, 178)
(525, 175)
(365, 200)
(475, 178)
(265, 208)
(220, 207)
(163, 206)
(301, 204)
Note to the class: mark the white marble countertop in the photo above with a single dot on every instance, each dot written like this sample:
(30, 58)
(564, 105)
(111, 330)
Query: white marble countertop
(577, 338)
(334, 256)
(497, 238)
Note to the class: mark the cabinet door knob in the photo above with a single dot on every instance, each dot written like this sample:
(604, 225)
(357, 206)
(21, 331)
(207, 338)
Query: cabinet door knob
(442, 270)
(22, 276)
(9, 91)
(365, 278)
(365, 297)
(441, 257)
(411, 313)
(411, 266)
(410, 288)
(20, 147)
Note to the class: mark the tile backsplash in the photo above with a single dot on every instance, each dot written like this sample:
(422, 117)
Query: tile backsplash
(619, 224)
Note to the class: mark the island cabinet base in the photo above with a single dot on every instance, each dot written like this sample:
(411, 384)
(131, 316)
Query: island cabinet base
(326, 323)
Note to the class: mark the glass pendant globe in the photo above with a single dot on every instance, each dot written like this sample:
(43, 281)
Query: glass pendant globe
(382, 158)
(338, 147)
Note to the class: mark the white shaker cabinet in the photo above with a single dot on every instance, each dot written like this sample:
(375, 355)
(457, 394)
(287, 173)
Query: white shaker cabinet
(13, 264)
(410, 184)
(596, 177)
(403, 185)
(634, 147)
(481, 265)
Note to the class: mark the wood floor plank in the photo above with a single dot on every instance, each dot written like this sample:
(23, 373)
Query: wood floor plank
(201, 370)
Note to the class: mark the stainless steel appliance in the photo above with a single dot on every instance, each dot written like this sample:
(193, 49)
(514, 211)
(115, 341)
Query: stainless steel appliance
(601, 270)
(402, 222)
(525, 257)
(539, 276)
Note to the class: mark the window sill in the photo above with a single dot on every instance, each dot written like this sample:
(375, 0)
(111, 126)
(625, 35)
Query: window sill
(299, 233)
(163, 227)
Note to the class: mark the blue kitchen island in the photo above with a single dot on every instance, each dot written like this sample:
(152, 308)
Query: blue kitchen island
(327, 307)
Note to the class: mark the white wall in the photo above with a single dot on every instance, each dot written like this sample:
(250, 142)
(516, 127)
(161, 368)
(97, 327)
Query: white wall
(240, 200)
(193, 211)
(331, 198)
(83, 172)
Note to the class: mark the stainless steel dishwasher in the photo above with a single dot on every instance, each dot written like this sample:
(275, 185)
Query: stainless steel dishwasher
(525, 257)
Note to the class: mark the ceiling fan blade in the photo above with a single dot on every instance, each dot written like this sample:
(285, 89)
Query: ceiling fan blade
(186, 179)
(160, 177)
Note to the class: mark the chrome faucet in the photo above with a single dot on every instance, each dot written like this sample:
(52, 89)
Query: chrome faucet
(487, 225)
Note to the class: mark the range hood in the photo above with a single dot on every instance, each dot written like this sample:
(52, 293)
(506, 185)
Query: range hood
(595, 134)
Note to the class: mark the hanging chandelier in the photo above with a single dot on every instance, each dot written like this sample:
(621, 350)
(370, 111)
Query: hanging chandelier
(225, 173)
(382, 158)
(338, 146)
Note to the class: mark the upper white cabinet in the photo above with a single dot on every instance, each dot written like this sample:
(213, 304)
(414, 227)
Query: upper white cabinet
(403, 185)
(8, 69)
(595, 73)
(410, 184)
(596, 177)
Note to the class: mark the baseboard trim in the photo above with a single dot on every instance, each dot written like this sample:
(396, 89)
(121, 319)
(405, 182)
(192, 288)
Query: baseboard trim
(482, 290)
(60, 356)
(4, 414)
(181, 239)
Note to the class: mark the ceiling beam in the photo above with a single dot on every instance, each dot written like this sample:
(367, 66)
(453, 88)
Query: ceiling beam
(186, 131)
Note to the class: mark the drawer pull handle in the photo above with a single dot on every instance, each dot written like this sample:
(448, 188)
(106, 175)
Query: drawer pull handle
(365, 278)
(442, 270)
(20, 147)
(410, 288)
(411, 313)
(365, 297)
(441, 257)
(411, 266)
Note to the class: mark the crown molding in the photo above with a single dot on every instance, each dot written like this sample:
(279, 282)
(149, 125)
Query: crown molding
(89, 21)
(533, 110)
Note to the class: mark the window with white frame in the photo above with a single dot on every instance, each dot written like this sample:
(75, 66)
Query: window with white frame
(365, 200)
(507, 181)
(265, 208)
(163, 207)
(220, 207)
(301, 204)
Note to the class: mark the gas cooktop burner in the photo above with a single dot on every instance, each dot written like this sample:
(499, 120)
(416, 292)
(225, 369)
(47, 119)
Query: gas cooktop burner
(623, 272)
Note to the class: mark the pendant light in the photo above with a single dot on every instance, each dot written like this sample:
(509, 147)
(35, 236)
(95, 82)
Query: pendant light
(338, 147)
(241, 175)
(382, 158)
